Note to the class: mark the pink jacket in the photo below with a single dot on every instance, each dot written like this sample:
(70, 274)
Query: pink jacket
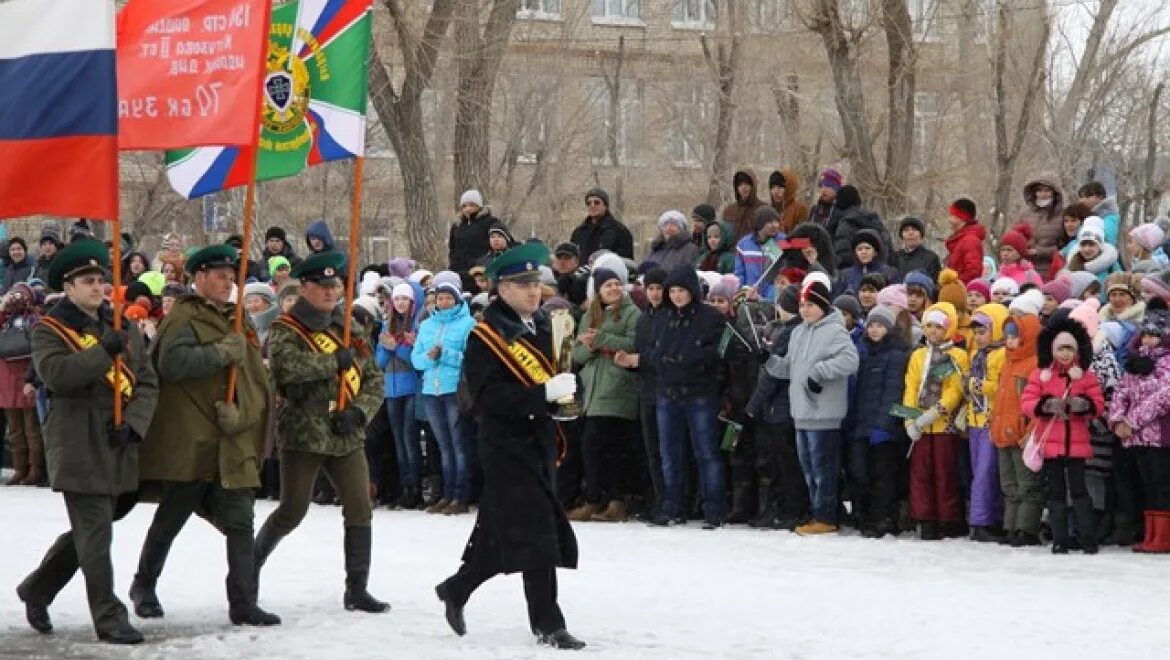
(1023, 273)
(1066, 437)
(1143, 403)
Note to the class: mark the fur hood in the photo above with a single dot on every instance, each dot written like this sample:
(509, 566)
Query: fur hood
(1048, 335)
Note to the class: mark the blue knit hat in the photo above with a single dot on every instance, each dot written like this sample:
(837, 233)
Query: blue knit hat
(921, 280)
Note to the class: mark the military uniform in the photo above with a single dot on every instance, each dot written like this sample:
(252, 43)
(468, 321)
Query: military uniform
(91, 462)
(202, 454)
(521, 526)
(308, 366)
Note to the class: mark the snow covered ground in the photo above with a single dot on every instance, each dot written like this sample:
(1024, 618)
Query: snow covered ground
(641, 594)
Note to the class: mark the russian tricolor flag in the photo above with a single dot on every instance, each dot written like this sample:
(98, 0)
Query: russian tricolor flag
(58, 109)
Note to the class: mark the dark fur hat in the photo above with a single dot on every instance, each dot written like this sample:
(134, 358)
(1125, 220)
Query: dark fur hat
(1054, 328)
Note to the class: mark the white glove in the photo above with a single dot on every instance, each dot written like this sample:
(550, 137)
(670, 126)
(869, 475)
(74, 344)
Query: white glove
(559, 387)
(914, 432)
(926, 419)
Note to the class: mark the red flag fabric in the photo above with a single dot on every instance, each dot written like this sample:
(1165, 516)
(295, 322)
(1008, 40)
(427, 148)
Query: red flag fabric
(190, 72)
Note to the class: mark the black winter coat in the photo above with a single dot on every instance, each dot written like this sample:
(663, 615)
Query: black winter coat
(920, 259)
(769, 403)
(467, 242)
(686, 348)
(851, 221)
(645, 333)
(741, 360)
(881, 378)
(521, 525)
(608, 234)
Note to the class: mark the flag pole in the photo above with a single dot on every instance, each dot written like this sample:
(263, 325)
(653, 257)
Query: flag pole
(116, 248)
(355, 221)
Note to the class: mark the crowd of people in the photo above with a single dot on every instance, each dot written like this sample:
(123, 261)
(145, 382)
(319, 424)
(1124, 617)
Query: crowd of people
(774, 364)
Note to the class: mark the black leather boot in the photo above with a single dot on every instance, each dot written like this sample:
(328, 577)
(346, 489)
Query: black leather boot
(454, 608)
(358, 544)
(241, 588)
(561, 639)
(741, 504)
(1058, 521)
(263, 546)
(1086, 525)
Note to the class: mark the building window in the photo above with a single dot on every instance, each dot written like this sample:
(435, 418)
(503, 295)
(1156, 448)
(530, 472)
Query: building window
(628, 128)
(540, 9)
(692, 113)
(693, 13)
(617, 10)
(768, 15)
(926, 117)
(923, 15)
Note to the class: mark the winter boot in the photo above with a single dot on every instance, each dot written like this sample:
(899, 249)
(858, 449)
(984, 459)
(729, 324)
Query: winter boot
(439, 507)
(815, 527)
(455, 508)
(584, 513)
(36, 615)
(741, 505)
(1024, 539)
(263, 546)
(124, 633)
(1058, 521)
(955, 529)
(615, 512)
(561, 639)
(358, 545)
(410, 499)
(1086, 525)
(984, 535)
(36, 468)
(1157, 533)
(1125, 529)
(20, 464)
(1148, 536)
(928, 531)
(142, 594)
(241, 591)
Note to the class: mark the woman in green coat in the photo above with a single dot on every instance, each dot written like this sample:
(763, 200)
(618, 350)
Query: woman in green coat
(610, 400)
(718, 253)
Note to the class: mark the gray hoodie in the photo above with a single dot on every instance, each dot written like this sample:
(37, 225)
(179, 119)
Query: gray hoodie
(824, 353)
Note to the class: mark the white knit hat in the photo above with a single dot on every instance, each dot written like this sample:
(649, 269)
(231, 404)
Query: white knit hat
(403, 290)
(1029, 302)
(471, 197)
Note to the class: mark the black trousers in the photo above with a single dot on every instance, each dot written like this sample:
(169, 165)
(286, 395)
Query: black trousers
(884, 465)
(86, 546)
(570, 473)
(1126, 489)
(1066, 478)
(540, 590)
(779, 468)
(1154, 467)
(648, 414)
(607, 444)
(229, 509)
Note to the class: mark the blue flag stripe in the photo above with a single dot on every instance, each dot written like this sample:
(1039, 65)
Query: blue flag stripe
(58, 95)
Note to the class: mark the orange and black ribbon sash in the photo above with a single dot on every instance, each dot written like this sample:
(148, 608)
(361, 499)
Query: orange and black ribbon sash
(79, 342)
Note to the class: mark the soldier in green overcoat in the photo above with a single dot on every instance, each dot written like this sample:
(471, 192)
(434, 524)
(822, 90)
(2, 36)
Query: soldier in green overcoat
(309, 365)
(92, 461)
(203, 453)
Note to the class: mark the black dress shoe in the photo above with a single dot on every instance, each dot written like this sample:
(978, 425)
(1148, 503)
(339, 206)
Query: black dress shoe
(146, 605)
(38, 618)
(126, 634)
(252, 616)
(561, 639)
(454, 612)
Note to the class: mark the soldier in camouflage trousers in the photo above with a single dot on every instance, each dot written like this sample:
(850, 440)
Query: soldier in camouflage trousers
(309, 366)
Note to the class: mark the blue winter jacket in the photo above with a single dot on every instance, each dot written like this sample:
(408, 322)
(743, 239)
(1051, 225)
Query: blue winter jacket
(398, 372)
(881, 377)
(449, 329)
(319, 229)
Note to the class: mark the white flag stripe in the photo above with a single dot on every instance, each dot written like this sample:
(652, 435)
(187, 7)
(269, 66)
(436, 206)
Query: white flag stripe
(31, 27)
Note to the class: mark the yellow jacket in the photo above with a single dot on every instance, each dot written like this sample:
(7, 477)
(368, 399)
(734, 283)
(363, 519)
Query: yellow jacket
(951, 395)
(980, 392)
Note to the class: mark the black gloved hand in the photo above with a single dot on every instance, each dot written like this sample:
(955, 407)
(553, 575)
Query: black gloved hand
(344, 359)
(347, 422)
(1139, 365)
(120, 436)
(814, 386)
(114, 342)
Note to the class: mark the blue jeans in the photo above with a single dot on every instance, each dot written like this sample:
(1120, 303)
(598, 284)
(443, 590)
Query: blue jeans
(820, 460)
(443, 414)
(675, 418)
(400, 411)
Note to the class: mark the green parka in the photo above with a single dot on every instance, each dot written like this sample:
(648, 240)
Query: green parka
(609, 390)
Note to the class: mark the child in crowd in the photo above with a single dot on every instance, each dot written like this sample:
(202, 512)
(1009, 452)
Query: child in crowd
(951, 290)
(868, 259)
(934, 389)
(1004, 290)
(920, 291)
(1023, 493)
(978, 293)
(879, 387)
(868, 291)
(1063, 396)
(820, 360)
(1093, 254)
(1012, 249)
(986, 511)
(1136, 414)
(1143, 241)
(965, 244)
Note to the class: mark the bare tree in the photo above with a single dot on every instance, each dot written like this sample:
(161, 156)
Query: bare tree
(400, 112)
(723, 64)
(478, 55)
(1149, 195)
(1007, 150)
(886, 186)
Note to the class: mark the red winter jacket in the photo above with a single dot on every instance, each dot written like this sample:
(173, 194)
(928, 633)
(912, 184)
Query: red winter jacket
(1067, 437)
(965, 248)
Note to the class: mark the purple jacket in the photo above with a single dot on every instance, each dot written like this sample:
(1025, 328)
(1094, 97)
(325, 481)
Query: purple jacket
(1143, 402)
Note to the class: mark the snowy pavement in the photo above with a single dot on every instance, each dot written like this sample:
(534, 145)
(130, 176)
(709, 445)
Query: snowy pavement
(641, 594)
